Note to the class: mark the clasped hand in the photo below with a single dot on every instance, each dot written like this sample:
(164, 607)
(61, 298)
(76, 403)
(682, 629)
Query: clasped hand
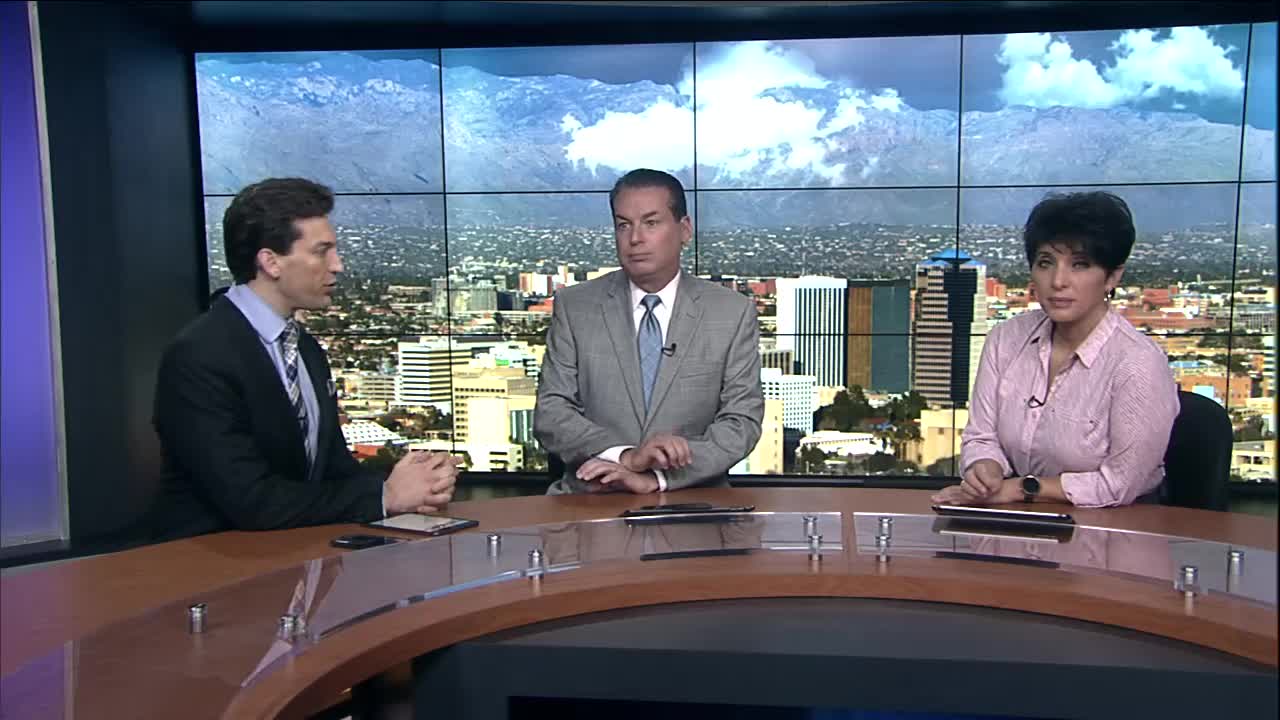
(422, 481)
(634, 472)
(983, 482)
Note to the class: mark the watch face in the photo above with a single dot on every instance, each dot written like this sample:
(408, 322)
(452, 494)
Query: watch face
(1030, 485)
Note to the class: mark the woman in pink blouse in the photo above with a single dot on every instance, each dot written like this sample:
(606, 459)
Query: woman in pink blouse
(1071, 403)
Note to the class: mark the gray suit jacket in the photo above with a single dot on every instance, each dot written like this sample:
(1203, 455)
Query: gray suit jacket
(708, 390)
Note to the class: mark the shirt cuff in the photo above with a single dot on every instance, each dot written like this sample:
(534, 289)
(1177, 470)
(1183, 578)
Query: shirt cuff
(1091, 490)
(614, 454)
(662, 480)
(384, 501)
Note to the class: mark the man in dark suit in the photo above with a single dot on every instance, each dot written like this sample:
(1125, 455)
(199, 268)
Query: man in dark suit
(651, 379)
(245, 405)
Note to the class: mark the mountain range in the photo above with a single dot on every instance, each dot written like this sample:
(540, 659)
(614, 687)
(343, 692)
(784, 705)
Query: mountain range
(374, 126)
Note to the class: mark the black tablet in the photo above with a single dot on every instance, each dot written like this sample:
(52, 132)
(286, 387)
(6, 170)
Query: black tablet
(986, 513)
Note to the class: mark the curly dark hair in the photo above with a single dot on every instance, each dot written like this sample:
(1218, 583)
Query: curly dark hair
(262, 215)
(1097, 224)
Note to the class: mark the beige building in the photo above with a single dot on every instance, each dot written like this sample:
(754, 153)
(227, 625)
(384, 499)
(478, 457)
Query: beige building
(827, 395)
(365, 385)
(497, 383)
(766, 457)
(600, 272)
(940, 432)
(488, 420)
(834, 442)
(1254, 460)
(502, 457)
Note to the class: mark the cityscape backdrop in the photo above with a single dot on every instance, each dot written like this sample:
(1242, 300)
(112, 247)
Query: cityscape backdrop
(867, 194)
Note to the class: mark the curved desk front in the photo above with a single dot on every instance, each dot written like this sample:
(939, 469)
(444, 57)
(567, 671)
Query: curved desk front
(884, 590)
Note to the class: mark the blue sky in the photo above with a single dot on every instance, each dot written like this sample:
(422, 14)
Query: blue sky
(1261, 110)
(1198, 70)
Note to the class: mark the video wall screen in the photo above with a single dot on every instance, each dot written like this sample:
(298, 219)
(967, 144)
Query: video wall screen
(473, 183)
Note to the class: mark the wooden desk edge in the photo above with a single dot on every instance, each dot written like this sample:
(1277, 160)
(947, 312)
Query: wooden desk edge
(309, 681)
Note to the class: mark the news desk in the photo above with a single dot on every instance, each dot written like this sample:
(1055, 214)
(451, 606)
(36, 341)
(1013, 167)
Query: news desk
(838, 597)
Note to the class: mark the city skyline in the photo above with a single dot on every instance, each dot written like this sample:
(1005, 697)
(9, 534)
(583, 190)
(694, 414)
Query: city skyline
(472, 185)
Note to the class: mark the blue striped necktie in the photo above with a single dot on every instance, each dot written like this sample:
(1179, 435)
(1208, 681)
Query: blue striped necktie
(649, 342)
(289, 345)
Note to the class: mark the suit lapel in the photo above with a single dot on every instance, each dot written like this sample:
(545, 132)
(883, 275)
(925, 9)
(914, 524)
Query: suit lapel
(620, 322)
(685, 317)
(266, 388)
(317, 371)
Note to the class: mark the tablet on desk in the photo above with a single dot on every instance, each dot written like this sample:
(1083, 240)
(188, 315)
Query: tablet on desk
(986, 513)
(1004, 529)
(424, 524)
(648, 511)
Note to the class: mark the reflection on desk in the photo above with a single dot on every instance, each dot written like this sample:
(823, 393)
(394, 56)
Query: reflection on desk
(686, 536)
(1251, 573)
(360, 613)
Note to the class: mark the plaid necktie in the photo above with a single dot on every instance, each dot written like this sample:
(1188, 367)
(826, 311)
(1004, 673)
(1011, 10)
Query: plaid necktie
(649, 343)
(289, 345)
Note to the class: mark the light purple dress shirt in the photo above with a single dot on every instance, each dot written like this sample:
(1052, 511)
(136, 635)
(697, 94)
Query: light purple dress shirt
(1105, 425)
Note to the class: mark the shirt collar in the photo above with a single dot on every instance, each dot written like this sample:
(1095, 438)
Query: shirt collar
(1041, 333)
(1088, 350)
(264, 319)
(1092, 345)
(666, 294)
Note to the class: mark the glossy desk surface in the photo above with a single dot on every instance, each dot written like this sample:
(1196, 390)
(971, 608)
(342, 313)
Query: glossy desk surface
(107, 636)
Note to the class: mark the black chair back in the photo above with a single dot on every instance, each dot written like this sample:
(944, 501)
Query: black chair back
(1197, 465)
(555, 467)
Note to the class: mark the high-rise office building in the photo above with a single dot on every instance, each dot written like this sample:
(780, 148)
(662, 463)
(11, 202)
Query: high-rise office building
(426, 366)
(512, 353)
(878, 355)
(773, 357)
(949, 306)
(797, 393)
(812, 317)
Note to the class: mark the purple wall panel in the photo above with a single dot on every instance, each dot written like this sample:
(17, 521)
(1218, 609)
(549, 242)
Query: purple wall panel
(30, 505)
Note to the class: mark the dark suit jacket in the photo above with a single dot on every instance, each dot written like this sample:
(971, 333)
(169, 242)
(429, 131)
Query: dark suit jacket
(234, 455)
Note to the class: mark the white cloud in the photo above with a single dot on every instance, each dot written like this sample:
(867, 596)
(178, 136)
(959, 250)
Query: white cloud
(661, 136)
(870, 167)
(745, 117)
(887, 100)
(570, 124)
(1042, 72)
(1188, 61)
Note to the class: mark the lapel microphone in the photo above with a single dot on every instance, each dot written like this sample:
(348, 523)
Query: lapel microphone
(669, 351)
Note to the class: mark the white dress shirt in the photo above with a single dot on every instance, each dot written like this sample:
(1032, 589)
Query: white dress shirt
(662, 313)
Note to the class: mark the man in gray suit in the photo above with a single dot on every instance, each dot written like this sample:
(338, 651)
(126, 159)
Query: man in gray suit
(651, 380)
